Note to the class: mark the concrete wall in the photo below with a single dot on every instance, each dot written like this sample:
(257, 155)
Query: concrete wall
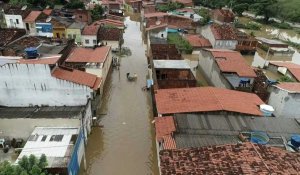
(285, 104)
(76, 32)
(212, 71)
(11, 21)
(25, 85)
(32, 28)
(159, 34)
(113, 44)
(207, 33)
(90, 38)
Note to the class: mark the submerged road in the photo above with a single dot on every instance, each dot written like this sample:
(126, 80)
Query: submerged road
(125, 144)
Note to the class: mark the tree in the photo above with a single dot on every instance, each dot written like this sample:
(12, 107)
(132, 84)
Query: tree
(75, 4)
(171, 6)
(97, 12)
(25, 166)
(267, 8)
(240, 8)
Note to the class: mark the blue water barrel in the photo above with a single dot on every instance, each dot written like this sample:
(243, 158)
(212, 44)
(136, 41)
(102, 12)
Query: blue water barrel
(295, 141)
(259, 138)
(31, 52)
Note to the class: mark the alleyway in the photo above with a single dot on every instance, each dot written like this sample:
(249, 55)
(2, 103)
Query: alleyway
(125, 144)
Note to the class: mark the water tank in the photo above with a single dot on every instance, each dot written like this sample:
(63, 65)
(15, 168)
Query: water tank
(295, 141)
(267, 110)
(31, 52)
(259, 138)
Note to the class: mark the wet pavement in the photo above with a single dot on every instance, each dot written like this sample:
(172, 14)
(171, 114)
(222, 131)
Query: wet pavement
(124, 145)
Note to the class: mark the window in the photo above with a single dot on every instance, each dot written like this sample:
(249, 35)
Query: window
(44, 138)
(69, 36)
(56, 138)
(17, 21)
(87, 41)
(74, 36)
(94, 42)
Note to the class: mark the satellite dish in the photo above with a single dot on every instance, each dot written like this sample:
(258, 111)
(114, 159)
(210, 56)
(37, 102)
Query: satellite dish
(48, 19)
(24, 7)
(158, 22)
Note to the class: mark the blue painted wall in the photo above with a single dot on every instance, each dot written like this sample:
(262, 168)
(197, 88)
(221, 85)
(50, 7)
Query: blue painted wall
(74, 164)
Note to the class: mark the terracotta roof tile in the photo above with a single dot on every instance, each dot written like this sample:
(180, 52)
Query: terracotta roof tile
(33, 15)
(291, 87)
(88, 55)
(153, 27)
(292, 67)
(223, 32)
(110, 22)
(198, 41)
(155, 14)
(246, 158)
(110, 34)
(224, 12)
(169, 142)
(78, 77)
(164, 126)
(91, 29)
(45, 60)
(232, 61)
(206, 99)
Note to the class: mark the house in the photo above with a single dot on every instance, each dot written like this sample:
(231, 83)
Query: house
(30, 21)
(288, 69)
(220, 36)
(181, 22)
(274, 47)
(89, 35)
(206, 99)
(31, 82)
(149, 7)
(172, 74)
(113, 23)
(164, 52)
(74, 31)
(246, 158)
(223, 16)
(198, 42)
(59, 26)
(8, 35)
(14, 16)
(110, 36)
(96, 61)
(48, 11)
(83, 16)
(155, 18)
(44, 27)
(227, 69)
(186, 3)
(184, 131)
(136, 5)
(62, 146)
(114, 7)
(159, 32)
(188, 13)
(246, 43)
(284, 98)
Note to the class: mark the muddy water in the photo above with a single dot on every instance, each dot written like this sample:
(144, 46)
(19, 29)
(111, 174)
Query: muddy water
(125, 144)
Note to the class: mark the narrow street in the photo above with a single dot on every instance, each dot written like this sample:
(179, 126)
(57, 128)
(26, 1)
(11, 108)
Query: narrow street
(124, 145)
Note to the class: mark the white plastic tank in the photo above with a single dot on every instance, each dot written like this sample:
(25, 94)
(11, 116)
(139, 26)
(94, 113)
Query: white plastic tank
(267, 110)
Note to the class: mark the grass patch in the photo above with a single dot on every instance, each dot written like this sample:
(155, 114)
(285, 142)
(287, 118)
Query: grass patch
(181, 44)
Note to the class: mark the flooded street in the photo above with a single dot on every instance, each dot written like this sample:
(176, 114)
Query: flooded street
(125, 144)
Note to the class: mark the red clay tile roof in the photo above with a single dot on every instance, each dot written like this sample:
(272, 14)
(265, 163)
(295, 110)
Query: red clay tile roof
(78, 77)
(155, 14)
(223, 32)
(169, 142)
(47, 11)
(291, 87)
(198, 41)
(88, 55)
(232, 61)
(91, 29)
(246, 158)
(110, 22)
(110, 34)
(164, 126)
(45, 60)
(33, 15)
(184, 1)
(153, 27)
(206, 99)
(292, 67)
(225, 13)
(106, 2)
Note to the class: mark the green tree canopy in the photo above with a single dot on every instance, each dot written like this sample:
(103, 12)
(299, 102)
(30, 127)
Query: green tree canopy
(97, 12)
(25, 166)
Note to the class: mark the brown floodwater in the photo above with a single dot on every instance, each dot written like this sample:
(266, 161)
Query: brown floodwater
(125, 144)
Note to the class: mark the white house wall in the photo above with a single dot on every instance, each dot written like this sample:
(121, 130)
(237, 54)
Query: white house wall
(90, 38)
(206, 32)
(26, 85)
(14, 24)
(285, 104)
